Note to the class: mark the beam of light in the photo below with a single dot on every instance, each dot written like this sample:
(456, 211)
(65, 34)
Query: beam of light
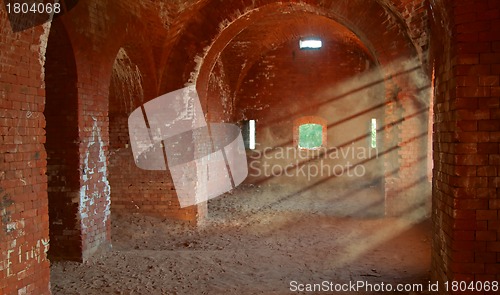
(359, 245)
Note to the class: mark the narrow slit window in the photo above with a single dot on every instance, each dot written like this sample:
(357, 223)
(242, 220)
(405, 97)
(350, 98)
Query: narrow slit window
(310, 136)
(249, 134)
(373, 140)
(251, 143)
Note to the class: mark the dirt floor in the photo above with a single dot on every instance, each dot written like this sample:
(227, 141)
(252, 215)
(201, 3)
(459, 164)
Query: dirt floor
(257, 241)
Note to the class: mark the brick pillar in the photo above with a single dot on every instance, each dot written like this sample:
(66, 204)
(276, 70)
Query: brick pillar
(407, 185)
(392, 133)
(466, 245)
(24, 231)
(77, 145)
(94, 195)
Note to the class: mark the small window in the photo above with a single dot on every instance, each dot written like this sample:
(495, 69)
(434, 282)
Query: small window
(310, 136)
(310, 132)
(310, 44)
(248, 133)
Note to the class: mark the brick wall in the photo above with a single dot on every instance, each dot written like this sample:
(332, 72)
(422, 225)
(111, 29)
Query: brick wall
(24, 230)
(140, 191)
(415, 14)
(442, 211)
(94, 201)
(466, 147)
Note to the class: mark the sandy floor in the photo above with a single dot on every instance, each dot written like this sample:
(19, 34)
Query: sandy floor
(255, 242)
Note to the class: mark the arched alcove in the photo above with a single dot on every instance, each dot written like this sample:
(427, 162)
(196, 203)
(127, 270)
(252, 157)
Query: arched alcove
(61, 113)
(134, 190)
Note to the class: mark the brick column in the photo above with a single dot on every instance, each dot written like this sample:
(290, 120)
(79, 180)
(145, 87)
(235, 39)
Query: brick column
(466, 244)
(24, 231)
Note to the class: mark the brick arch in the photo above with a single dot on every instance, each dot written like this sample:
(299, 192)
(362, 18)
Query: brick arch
(257, 50)
(393, 49)
(315, 26)
(204, 38)
(131, 64)
(96, 40)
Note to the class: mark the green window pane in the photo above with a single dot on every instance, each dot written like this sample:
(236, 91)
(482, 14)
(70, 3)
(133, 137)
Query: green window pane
(310, 136)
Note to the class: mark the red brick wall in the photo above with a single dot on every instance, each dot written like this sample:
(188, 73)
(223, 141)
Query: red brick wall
(390, 39)
(217, 101)
(466, 145)
(77, 112)
(140, 191)
(415, 14)
(24, 237)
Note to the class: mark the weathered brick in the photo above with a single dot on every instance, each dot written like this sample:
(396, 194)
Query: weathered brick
(486, 215)
(486, 235)
(491, 58)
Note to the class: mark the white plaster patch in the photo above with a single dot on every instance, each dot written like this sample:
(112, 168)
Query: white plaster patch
(24, 254)
(89, 168)
(44, 39)
(22, 291)
(16, 225)
(193, 76)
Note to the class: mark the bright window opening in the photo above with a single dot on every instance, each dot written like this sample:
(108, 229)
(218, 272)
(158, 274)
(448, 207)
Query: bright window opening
(249, 134)
(310, 136)
(310, 44)
(373, 141)
(251, 143)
